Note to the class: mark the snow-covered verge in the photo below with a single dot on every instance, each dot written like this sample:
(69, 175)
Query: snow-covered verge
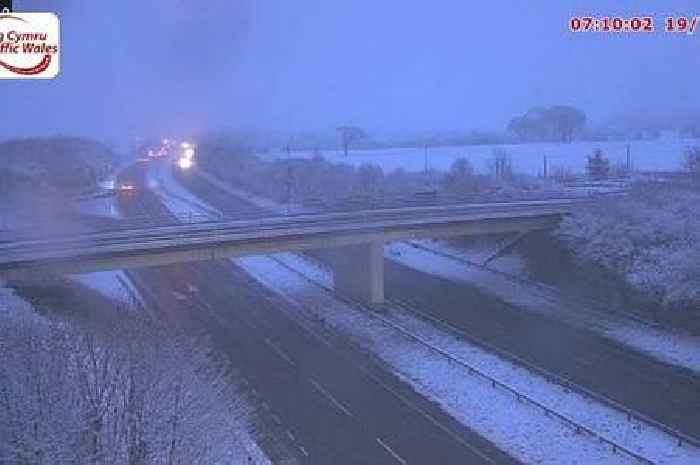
(181, 202)
(175, 197)
(112, 284)
(672, 347)
(651, 237)
(80, 392)
(514, 426)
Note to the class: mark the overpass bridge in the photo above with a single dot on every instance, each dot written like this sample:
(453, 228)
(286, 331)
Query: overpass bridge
(359, 237)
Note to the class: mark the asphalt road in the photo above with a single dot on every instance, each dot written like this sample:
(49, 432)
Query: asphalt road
(334, 405)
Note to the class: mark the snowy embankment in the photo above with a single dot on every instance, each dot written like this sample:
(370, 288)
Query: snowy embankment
(176, 198)
(112, 284)
(671, 347)
(180, 201)
(517, 427)
(534, 437)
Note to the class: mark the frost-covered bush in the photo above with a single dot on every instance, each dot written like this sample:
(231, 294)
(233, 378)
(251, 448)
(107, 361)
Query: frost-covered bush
(651, 237)
(131, 392)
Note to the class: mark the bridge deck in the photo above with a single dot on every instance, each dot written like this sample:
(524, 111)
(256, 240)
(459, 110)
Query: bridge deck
(218, 239)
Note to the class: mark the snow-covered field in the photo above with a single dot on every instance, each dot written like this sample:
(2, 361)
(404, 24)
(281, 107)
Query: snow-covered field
(661, 154)
(514, 426)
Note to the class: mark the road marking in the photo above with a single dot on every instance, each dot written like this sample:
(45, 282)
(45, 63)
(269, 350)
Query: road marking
(255, 392)
(192, 288)
(280, 352)
(336, 403)
(277, 419)
(291, 436)
(303, 451)
(392, 452)
(265, 406)
(179, 296)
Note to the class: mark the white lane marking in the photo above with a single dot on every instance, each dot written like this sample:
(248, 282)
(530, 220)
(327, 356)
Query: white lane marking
(303, 451)
(179, 296)
(280, 352)
(392, 452)
(192, 288)
(332, 399)
(265, 406)
(277, 419)
(291, 436)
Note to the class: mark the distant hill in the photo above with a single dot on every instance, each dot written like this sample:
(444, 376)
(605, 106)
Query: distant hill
(65, 163)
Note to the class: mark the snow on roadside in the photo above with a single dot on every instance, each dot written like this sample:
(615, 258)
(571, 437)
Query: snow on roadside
(12, 305)
(100, 206)
(671, 347)
(516, 427)
(176, 198)
(112, 284)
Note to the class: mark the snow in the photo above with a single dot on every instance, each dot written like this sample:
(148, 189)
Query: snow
(175, 197)
(112, 284)
(671, 347)
(534, 437)
(180, 201)
(12, 305)
(100, 206)
(516, 427)
(661, 154)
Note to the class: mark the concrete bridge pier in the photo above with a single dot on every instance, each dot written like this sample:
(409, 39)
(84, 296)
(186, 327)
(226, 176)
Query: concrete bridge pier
(358, 272)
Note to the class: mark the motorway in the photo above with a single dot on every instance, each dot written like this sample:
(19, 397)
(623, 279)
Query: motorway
(320, 401)
(650, 388)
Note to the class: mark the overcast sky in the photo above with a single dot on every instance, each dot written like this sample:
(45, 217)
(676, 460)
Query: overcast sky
(393, 67)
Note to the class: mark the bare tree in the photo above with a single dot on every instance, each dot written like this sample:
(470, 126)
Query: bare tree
(501, 165)
(350, 135)
(691, 163)
(91, 395)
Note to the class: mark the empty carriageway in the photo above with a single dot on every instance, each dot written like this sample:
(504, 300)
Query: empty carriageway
(358, 236)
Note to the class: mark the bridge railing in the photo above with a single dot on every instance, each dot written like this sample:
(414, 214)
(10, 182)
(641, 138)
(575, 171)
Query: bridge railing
(27, 228)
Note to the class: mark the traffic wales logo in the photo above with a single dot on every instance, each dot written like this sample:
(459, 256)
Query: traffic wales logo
(29, 46)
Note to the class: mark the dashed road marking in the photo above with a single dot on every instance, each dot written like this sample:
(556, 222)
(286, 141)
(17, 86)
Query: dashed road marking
(303, 451)
(280, 352)
(265, 406)
(392, 452)
(336, 403)
(291, 436)
(277, 419)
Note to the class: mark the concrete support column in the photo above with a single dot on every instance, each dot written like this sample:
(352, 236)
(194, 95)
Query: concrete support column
(358, 272)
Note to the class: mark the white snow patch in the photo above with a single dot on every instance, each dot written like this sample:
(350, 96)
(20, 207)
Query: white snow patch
(100, 206)
(175, 197)
(112, 284)
(12, 305)
(672, 347)
(516, 427)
